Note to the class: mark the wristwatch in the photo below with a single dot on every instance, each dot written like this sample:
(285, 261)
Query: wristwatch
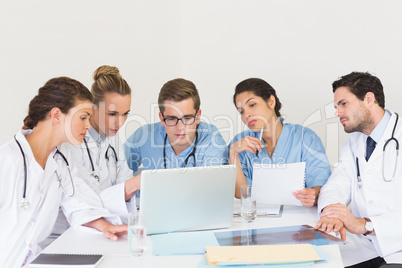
(369, 226)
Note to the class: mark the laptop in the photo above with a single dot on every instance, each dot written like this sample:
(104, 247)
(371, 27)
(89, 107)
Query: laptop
(187, 199)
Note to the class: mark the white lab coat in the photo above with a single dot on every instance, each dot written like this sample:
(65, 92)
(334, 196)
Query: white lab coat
(376, 199)
(112, 175)
(21, 231)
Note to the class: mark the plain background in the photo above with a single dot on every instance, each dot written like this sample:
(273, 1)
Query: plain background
(299, 47)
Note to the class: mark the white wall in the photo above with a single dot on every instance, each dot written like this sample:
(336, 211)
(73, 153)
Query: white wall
(44, 39)
(299, 47)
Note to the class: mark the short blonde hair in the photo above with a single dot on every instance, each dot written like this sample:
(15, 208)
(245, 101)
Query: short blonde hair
(108, 80)
(177, 90)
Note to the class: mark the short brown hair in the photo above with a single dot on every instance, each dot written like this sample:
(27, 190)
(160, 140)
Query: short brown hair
(359, 84)
(61, 92)
(108, 80)
(178, 90)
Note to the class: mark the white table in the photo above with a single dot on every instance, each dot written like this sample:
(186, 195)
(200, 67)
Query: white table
(86, 240)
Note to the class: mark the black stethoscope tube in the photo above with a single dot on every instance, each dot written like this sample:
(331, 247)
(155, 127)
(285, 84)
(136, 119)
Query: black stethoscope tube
(89, 154)
(24, 204)
(392, 137)
(192, 154)
(359, 181)
(106, 157)
(25, 168)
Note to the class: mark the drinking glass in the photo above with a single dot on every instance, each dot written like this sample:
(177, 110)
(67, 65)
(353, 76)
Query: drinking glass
(248, 204)
(136, 233)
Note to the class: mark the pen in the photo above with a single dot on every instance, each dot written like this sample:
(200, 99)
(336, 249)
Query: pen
(256, 154)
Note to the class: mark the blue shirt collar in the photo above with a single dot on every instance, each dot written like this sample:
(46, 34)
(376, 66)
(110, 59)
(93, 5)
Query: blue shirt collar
(379, 130)
(95, 135)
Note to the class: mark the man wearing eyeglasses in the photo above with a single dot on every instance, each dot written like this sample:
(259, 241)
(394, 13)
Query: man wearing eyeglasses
(180, 139)
(368, 176)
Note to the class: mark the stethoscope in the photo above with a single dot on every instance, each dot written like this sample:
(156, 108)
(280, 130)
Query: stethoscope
(24, 203)
(95, 176)
(192, 154)
(397, 151)
(359, 180)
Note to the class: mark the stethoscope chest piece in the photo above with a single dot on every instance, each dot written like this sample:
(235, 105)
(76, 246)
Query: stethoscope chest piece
(93, 174)
(23, 204)
(96, 177)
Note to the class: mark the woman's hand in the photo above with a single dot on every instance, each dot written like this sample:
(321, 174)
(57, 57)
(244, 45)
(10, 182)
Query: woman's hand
(113, 231)
(131, 186)
(251, 144)
(307, 196)
(109, 230)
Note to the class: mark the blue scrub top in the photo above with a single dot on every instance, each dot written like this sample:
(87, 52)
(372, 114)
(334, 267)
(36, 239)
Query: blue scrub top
(295, 144)
(145, 146)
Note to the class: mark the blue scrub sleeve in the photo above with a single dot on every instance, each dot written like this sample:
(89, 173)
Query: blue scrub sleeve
(245, 162)
(217, 152)
(317, 165)
(132, 150)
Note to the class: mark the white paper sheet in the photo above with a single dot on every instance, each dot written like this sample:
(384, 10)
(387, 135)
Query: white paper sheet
(264, 209)
(274, 184)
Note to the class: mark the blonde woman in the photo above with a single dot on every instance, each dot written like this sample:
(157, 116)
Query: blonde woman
(100, 158)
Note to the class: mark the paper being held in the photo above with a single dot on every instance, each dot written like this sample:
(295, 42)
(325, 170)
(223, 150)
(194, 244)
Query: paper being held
(275, 183)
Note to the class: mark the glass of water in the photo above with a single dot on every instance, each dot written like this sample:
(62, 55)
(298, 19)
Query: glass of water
(248, 204)
(136, 233)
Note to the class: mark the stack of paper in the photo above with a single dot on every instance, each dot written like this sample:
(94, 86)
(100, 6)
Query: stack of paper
(310, 264)
(302, 254)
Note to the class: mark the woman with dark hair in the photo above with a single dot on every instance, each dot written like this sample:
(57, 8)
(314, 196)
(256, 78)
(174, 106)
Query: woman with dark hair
(279, 143)
(37, 174)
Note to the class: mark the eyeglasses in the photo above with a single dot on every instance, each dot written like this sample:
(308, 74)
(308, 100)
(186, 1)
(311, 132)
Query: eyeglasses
(186, 120)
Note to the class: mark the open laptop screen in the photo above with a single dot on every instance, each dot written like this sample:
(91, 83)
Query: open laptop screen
(187, 199)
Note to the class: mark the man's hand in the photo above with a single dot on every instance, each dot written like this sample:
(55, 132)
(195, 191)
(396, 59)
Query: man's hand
(339, 211)
(328, 225)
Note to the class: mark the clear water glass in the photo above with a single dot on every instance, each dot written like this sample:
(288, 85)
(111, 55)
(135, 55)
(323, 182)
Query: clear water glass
(248, 204)
(137, 236)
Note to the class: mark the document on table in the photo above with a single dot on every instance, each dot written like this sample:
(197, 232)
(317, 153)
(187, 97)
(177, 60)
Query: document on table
(268, 210)
(309, 264)
(274, 184)
(271, 254)
(263, 210)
